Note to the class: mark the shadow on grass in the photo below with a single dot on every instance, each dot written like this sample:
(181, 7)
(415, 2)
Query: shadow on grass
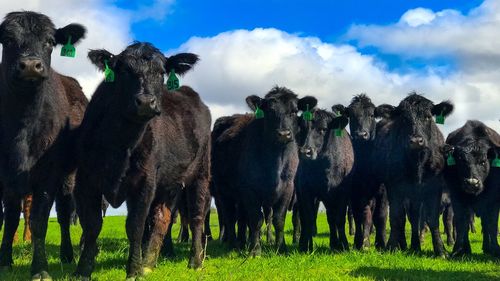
(393, 274)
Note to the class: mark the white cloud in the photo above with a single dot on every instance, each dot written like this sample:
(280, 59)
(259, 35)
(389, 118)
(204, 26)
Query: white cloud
(419, 16)
(239, 63)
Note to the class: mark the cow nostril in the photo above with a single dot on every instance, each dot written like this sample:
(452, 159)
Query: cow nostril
(138, 101)
(38, 66)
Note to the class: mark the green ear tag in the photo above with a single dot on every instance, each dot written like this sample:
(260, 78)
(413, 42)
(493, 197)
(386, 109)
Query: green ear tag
(259, 113)
(68, 50)
(172, 81)
(109, 74)
(339, 132)
(450, 161)
(496, 162)
(440, 119)
(308, 115)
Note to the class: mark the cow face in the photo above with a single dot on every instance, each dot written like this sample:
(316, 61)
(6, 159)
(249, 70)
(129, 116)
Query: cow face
(139, 77)
(280, 113)
(472, 164)
(314, 134)
(416, 119)
(28, 39)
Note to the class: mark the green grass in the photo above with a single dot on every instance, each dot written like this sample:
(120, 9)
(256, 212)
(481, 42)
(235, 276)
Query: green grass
(222, 264)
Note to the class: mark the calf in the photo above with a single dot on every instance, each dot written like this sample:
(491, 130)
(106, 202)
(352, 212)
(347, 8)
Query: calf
(324, 173)
(39, 111)
(408, 161)
(143, 144)
(368, 198)
(473, 177)
(255, 160)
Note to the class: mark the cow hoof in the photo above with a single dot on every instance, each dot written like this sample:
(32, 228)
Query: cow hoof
(146, 270)
(42, 276)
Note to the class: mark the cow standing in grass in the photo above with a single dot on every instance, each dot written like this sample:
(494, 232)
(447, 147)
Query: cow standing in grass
(473, 177)
(255, 161)
(142, 144)
(39, 110)
(324, 174)
(368, 197)
(408, 160)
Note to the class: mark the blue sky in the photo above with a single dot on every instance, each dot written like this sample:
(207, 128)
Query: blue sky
(327, 20)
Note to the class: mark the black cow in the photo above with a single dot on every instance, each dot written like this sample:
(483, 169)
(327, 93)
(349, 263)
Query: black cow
(408, 161)
(368, 199)
(39, 110)
(324, 173)
(143, 144)
(473, 177)
(254, 164)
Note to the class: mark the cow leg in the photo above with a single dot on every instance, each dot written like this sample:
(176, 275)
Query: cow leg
(296, 223)
(242, 229)
(367, 222)
(431, 205)
(42, 203)
(448, 224)
(315, 224)
(12, 204)
(268, 215)
(161, 221)
(27, 201)
(255, 219)
(196, 196)
(339, 214)
(414, 216)
(471, 222)
(279, 216)
(489, 222)
(167, 249)
(380, 220)
(332, 223)
(358, 206)
(89, 211)
(207, 229)
(397, 221)
(184, 229)
(65, 207)
(461, 219)
(350, 218)
(306, 213)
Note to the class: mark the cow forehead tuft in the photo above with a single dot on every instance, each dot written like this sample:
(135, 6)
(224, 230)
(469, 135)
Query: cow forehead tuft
(416, 103)
(361, 100)
(143, 56)
(281, 93)
(27, 22)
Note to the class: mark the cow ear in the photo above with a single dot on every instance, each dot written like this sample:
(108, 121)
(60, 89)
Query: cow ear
(446, 149)
(307, 103)
(253, 102)
(181, 63)
(99, 58)
(385, 111)
(339, 122)
(444, 108)
(339, 109)
(74, 30)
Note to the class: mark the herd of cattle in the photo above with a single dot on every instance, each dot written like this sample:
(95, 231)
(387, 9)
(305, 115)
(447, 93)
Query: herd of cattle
(139, 142)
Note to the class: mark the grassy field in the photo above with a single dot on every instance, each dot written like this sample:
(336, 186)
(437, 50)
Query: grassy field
(221, 264)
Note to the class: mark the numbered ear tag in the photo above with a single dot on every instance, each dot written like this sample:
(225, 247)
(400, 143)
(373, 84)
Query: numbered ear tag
(450, 161)
(440, 119)
(495, 162)
(307, 115)
(339, 132)
(109, 74)
(259, 113)
(172, 81)
(68, 50)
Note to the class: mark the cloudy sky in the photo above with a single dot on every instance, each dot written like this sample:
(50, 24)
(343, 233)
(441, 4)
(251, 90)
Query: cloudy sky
(445, 50)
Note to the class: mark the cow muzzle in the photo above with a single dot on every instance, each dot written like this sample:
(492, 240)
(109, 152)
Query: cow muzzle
(147, 106)
(285, 135)
(31, 69)
(473, 186)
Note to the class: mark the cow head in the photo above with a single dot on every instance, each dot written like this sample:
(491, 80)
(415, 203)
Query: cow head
(362, 115)
(28, 39)
(280, 109)
(415, 116)
(139, 77)
(472, 159)
(314, 134)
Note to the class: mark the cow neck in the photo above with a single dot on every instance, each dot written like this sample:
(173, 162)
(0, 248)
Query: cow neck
(29, 121)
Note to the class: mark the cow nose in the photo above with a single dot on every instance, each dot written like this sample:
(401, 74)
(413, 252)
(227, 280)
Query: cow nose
(417, 140)
(307, 151)
(31, 67)
(147, 104)
(364, 135)
(472, 181)
(286, 134)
